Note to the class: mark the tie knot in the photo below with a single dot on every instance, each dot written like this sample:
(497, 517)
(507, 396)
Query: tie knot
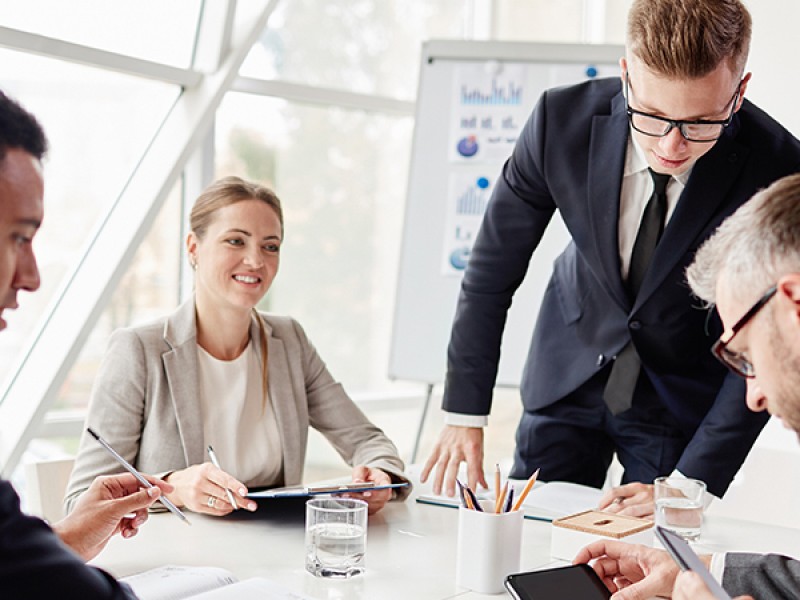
(660, 181)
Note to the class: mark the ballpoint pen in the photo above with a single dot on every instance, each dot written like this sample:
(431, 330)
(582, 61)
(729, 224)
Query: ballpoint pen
(163, 499)
(215, 462)
(462, 494)
(473, 498)
(509, 500)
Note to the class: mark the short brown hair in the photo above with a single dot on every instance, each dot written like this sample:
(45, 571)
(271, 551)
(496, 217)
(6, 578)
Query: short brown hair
(224, 192)
(688, 39)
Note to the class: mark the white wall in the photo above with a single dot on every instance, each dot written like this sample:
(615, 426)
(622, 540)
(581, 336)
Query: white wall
(775, 85)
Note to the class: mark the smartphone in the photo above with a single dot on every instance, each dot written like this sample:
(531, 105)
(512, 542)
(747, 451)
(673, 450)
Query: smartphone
(687, 560)
(573, 581)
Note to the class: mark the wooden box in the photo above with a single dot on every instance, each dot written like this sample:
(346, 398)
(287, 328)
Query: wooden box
(573, 532)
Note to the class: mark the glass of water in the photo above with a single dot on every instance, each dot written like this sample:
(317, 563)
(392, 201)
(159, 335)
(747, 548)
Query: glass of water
(679, 505)
(336, 536)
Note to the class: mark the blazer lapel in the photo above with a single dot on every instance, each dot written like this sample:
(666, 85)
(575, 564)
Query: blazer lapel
(706, 191)
(181, 368)
(280, 389)
(606, 163)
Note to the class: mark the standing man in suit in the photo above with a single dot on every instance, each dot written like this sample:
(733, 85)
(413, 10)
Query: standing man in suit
(37, 561)
(749, 269)
(642, 170)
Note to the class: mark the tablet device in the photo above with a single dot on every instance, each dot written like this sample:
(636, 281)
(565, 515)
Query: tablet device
(573, 581)
(316, 490)
(687, 560)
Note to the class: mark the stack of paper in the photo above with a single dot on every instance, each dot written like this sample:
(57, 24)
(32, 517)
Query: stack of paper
(172, 582)
(545, 502)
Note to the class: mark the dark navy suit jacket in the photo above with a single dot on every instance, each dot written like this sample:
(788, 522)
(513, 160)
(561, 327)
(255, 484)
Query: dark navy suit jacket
(35, 565)
(570, 158)
(763, 576)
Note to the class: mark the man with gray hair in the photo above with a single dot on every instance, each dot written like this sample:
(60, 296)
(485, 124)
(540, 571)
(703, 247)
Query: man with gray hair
(750, 270)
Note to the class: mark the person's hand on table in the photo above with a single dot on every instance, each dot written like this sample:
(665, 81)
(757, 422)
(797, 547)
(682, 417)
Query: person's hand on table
(202, 489)
(690, 586)
(112, 504)
(631, 571)
(375, 499)
(456, 445)
(632, 499)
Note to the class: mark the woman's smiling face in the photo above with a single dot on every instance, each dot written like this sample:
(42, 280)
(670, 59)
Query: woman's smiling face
(238, 257)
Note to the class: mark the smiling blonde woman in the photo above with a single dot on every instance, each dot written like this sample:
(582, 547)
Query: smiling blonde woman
(217, 372)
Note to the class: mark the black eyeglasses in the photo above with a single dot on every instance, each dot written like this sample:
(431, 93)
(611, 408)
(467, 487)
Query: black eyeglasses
(736, 361)
(693, 131)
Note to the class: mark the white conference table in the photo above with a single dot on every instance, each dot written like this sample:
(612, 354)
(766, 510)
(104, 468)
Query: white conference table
(411, 549)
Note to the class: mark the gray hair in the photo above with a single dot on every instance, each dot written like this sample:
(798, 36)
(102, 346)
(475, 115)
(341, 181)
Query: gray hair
(753, 247)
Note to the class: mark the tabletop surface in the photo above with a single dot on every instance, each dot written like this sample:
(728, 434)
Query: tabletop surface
(411, 548)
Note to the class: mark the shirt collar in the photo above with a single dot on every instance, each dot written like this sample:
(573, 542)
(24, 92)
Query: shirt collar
(635, 161)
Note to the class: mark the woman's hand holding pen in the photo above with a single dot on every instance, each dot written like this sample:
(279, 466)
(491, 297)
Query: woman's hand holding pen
(203, 489)
(105, 509)
(632, 499)
(376, 499)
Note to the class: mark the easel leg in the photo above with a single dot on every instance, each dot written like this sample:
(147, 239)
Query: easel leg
(425, 405)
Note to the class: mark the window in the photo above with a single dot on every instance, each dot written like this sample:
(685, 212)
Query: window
(98, 124)
(341, 176)
(367, 46)
(149, 29)
(148, 290)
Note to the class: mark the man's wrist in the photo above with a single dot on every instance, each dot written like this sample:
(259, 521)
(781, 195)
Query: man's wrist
(464, 420)
(716, 564)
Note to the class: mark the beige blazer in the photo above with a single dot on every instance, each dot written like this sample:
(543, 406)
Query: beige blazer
(145, 403)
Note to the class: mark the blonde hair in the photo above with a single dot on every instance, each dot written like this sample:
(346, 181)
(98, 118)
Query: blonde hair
(225, 192)
(754, 247)
(687, 39)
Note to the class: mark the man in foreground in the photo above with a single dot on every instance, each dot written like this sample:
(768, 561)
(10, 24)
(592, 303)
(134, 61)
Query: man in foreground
(37, 561)
(749, 269)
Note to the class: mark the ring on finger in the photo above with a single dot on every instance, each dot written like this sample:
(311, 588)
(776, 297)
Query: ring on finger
(211, 501)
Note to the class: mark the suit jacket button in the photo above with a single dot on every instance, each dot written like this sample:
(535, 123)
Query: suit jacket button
(636, 325)
(601, 359)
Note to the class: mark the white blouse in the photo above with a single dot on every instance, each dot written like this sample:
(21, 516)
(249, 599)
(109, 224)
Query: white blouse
(238, 422)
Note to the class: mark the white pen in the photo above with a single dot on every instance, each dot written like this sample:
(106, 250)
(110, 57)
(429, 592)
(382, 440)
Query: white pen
(163, 499)
(215, 462)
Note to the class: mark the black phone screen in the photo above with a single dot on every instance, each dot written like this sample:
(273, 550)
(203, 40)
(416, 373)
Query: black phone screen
(578, 582)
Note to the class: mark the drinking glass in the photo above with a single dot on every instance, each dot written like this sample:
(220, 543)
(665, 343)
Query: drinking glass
(679, 505)
(336, 536)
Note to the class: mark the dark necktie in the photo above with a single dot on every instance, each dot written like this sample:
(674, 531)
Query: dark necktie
(618, 393)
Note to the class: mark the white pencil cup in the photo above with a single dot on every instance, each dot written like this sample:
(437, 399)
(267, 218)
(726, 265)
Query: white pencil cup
(489, 548)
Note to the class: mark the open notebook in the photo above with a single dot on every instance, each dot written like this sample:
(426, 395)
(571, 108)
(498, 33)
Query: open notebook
(545, 502)
(204, 583)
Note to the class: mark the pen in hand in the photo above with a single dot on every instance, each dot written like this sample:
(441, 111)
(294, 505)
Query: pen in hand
(215, 462)
(163, 499)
